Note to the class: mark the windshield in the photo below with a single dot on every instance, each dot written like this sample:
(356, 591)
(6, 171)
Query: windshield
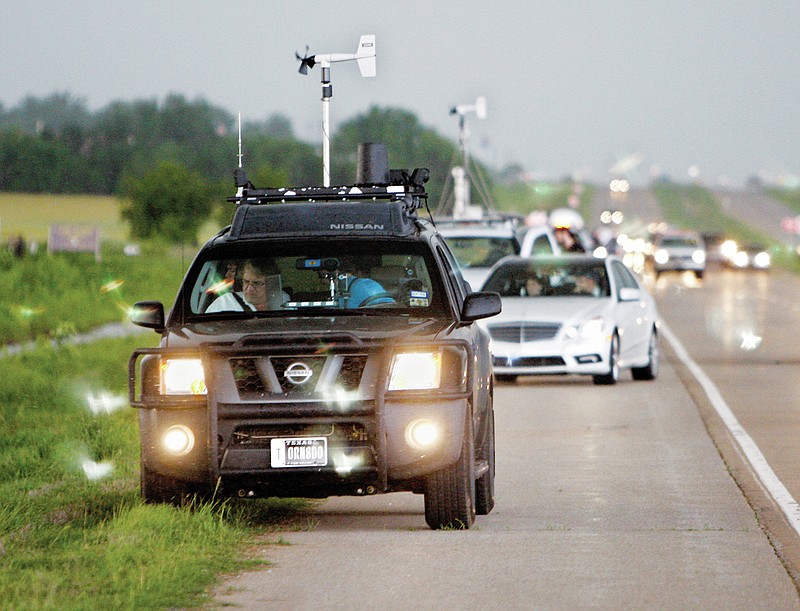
(680, 242)
(472, 251)
(332, 276)
(530, 278)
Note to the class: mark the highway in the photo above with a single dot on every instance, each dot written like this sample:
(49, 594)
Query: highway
(631, 496)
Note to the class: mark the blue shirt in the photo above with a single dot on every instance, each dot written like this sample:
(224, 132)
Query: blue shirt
(362, 289)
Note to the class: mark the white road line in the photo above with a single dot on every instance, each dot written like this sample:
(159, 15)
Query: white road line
(769, 480)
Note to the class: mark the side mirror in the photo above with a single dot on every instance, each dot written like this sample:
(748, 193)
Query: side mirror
(629, 294)
(148, 314)
(480, 305)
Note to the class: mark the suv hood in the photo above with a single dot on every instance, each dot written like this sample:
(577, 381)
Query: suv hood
(381, 328)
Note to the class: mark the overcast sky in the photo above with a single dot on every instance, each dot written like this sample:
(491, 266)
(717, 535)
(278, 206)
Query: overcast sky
(572, 86)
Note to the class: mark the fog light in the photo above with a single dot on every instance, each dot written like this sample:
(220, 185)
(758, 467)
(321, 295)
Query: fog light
(178, 440)
(422, 434)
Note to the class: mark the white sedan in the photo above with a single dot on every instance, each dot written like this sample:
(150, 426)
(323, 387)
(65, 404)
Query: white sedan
(572, 314)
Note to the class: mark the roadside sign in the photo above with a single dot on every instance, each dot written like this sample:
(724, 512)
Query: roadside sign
(74, 238)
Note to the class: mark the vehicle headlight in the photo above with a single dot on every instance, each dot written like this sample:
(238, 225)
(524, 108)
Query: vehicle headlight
(763, 259)
(661, 256)
(416, 371)
(699, 256)
(178, 440)
(422, 434)
(728, 249)
(590, 329)
(740, 259)
(183, 377)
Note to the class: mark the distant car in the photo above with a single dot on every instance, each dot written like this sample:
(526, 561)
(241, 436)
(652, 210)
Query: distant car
(573, 314)
(539, 240)
(479, 244)
(752, 256)
(678, 251)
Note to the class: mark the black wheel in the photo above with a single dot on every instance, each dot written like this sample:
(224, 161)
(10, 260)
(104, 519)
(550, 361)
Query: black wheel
(157, 488)
(612, 377)
(450, 493)
(698, 274)
(649, 371)
(484, 485)
(505, 377)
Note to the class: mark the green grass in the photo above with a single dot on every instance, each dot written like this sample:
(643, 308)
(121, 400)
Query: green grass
(69, 542)
(790, 197)
(54, 295)
(63, 293)
(30, 215)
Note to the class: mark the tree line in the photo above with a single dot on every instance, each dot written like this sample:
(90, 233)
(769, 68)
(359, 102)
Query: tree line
(56, 144)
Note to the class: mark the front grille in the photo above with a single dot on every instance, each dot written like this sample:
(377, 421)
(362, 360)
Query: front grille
(296, 376)
(245, 373)
(351, 371)
(529, 361)
(524, 332)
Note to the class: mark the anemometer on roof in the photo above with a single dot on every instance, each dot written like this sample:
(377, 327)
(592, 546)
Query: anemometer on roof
(365, 56)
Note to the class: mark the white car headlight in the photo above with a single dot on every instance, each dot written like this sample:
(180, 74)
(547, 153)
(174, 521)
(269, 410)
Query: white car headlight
(183, 377)
(661, 256)
(416, 371)
(699, 256)
(590, 329)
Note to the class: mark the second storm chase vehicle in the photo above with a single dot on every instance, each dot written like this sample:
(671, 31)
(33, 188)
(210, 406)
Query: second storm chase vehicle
(323, 344)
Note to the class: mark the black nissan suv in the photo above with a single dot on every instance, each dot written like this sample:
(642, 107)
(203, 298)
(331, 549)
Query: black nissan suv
(312, 392)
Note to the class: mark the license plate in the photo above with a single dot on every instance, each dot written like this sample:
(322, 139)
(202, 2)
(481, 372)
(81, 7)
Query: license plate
(298, 452)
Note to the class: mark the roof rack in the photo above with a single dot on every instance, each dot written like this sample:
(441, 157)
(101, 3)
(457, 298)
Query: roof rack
(401, 187)
(375, 182)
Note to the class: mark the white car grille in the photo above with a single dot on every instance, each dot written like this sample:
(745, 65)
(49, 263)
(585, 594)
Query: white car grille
(521, 332)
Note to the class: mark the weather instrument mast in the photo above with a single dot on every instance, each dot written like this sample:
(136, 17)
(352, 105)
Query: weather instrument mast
(365, 56)
(463, 175)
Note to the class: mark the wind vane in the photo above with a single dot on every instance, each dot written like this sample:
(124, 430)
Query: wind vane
(365, 56)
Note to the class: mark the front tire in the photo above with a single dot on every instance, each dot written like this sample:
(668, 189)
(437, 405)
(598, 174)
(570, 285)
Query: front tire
(612, 377)
(450, 492)
(484, 485)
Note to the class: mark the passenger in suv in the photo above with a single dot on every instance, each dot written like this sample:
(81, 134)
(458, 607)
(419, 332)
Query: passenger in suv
(311, 396)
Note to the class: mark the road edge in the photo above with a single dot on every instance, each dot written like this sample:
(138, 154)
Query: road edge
(770, 517)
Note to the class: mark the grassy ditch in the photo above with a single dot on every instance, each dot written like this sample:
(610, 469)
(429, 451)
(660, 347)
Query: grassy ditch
(55, 295)
(74, 533)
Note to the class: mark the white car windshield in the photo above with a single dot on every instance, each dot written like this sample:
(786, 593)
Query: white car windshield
(556, 278)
